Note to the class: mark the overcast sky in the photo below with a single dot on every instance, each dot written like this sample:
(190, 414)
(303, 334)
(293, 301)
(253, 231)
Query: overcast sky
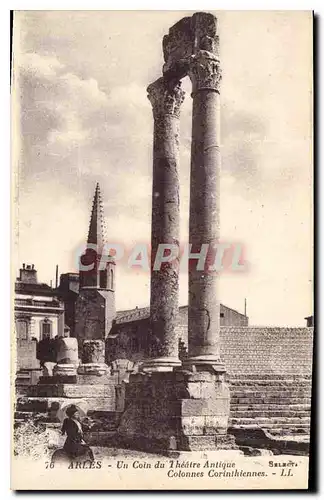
(81, 78)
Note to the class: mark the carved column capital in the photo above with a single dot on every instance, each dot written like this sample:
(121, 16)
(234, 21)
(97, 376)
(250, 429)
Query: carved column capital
(166, 97)
(204, 71)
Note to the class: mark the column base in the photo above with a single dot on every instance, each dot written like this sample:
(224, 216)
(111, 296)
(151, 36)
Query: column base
(177, 411)
(205, 362)
(93, 369)
(160, 365)
(64, 370)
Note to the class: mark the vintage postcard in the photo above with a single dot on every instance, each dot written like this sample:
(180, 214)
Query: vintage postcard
(162, 180)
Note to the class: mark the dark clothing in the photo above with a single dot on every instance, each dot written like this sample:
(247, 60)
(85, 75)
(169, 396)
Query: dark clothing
(75, 446)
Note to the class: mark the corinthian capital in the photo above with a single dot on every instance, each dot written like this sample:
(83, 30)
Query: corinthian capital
(166, 97)
(204, 71)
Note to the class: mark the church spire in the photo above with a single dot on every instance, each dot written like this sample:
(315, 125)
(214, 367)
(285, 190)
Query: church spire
(96, 234)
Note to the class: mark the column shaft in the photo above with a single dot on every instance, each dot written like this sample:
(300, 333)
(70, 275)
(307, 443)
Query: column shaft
(166, 98)
(204, 309)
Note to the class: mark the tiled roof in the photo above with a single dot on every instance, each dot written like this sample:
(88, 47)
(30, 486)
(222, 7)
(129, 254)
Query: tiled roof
(132, 314)
(33, 288)
(144, 312)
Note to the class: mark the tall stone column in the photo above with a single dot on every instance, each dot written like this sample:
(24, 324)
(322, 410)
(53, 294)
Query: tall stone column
(184, 409)
(166, 97)
(204, 309)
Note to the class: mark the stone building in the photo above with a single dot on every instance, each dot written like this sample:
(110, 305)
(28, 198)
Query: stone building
(68, 291)
(130, 336)
(39, 314)
(38, 310)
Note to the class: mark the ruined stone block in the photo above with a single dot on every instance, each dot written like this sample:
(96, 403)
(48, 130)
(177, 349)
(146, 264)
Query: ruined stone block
(67, 351)
(155, 414)
(93, 351)
(185, 38)
(192, 426)
(215, 424)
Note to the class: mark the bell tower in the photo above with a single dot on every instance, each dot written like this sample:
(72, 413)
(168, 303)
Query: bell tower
(95, 306)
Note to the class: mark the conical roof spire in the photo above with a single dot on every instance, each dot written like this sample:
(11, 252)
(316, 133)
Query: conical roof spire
(96, 234)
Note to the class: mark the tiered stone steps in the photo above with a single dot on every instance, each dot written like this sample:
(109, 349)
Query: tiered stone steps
(263, 351)
(23, 416)
(277, 403)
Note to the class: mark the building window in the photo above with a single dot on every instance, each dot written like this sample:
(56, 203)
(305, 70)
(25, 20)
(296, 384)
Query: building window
(222, 315)
(112, 279)
(46, 328)
(134, 344)
(22, 330)
(103, 279)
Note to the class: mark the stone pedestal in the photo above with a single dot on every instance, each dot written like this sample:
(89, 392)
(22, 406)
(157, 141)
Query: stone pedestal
(88, 386)
(93, 358)
(93, 369)
(176, 411)
(64, 370)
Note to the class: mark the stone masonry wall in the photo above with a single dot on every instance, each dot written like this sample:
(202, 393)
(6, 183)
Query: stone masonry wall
(268, 350)
(264, 350)
(26, 355)
(94, 314)
(228, 317)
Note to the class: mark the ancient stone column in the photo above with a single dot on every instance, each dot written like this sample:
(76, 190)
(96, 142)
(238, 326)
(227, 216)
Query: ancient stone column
(166, 97)
(184, 410)
(93, 358)
(204, 309)
(67, 357)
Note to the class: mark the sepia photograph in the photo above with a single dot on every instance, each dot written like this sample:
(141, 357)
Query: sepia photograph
(162, 330)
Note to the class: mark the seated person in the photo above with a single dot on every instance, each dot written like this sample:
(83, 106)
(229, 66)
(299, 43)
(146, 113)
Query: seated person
(74, 446)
